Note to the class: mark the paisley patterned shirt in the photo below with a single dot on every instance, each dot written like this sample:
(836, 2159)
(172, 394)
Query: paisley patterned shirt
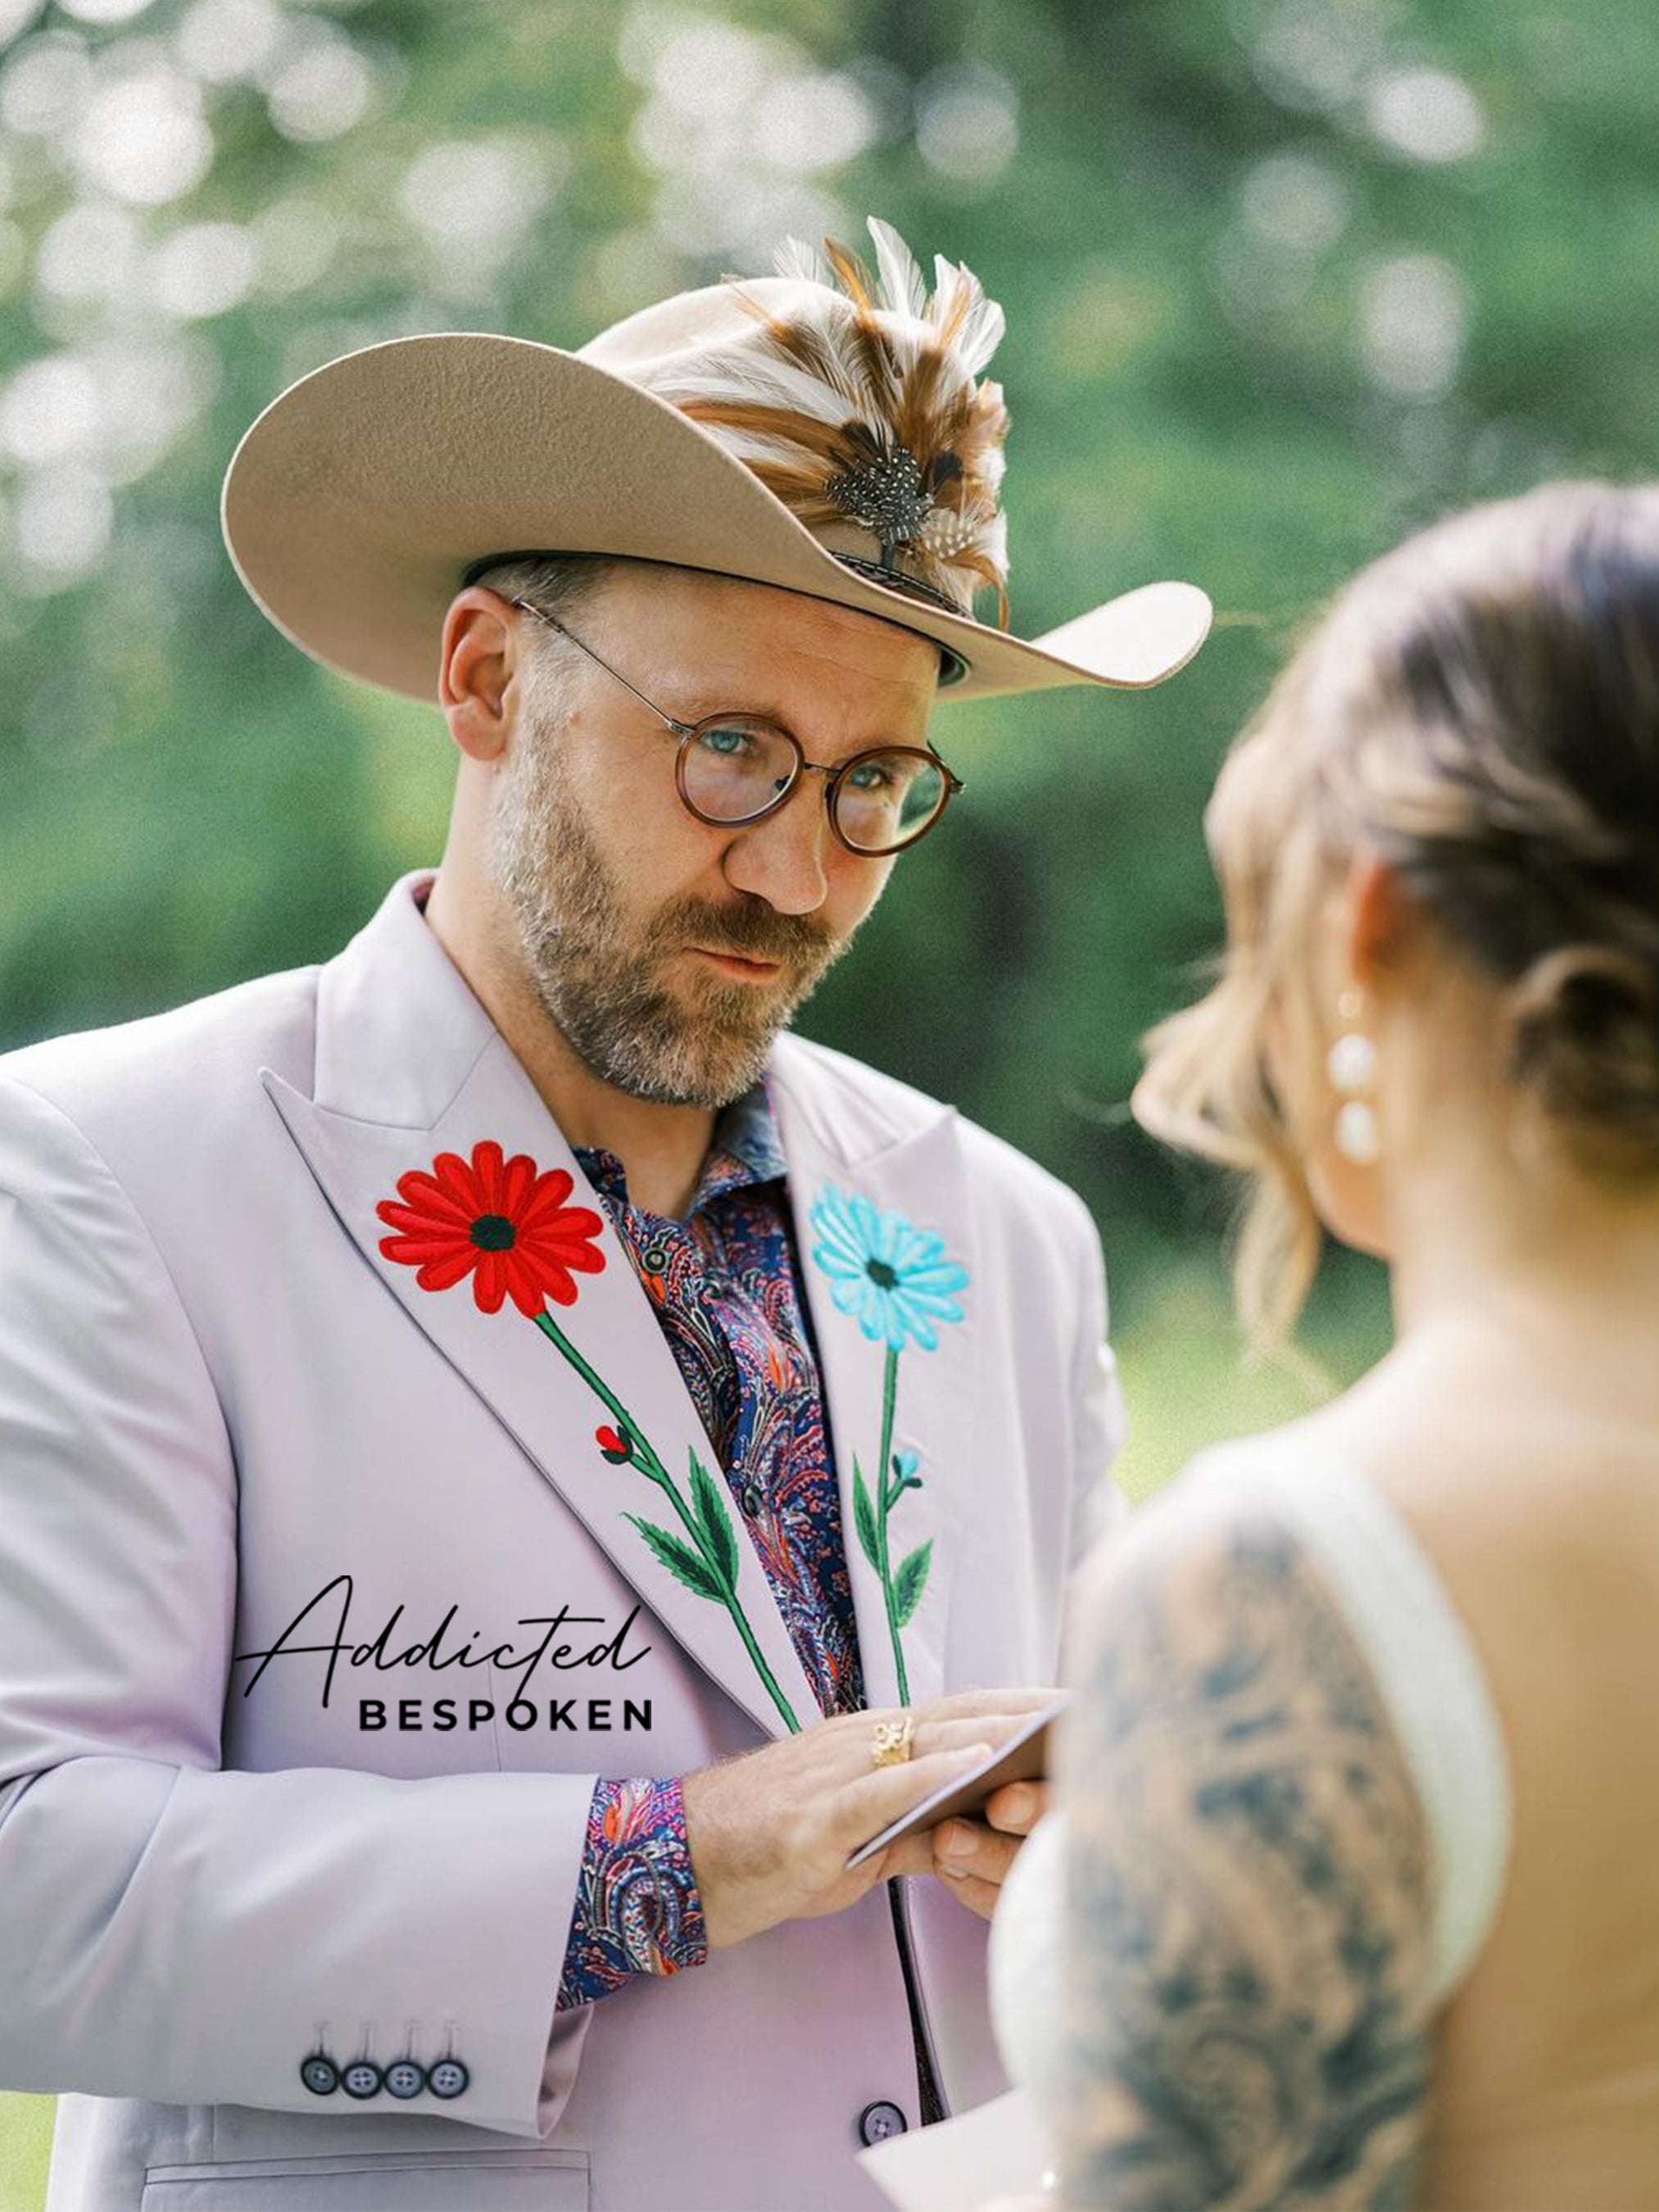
(727, 1287)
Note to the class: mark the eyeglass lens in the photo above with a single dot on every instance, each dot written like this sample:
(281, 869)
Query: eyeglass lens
(736, 769)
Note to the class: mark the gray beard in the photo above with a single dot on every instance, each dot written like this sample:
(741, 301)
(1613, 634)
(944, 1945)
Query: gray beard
(592, 967)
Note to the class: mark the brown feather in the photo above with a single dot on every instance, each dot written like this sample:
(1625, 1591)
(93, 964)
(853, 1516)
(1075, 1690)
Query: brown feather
(918, 403)
(823, 439)
(852, 272)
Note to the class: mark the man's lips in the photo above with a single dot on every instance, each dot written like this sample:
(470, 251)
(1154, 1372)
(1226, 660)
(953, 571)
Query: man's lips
(738, 967)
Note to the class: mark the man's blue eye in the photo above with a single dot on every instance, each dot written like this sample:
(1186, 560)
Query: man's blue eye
(870, 776)
(727, 742)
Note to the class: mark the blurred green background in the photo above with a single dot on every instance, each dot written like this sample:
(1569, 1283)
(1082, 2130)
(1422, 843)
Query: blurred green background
(1284, 278)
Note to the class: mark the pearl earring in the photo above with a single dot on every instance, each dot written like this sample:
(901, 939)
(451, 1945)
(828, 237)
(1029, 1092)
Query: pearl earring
(1351, 1065)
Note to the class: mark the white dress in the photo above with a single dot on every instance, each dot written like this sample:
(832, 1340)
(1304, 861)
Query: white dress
(1433, 1684)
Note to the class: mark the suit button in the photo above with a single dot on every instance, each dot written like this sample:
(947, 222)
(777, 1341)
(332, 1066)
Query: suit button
(878, 2121)
(404, 2078)
(448, 2078)
(320, 2075)
(362, 2078)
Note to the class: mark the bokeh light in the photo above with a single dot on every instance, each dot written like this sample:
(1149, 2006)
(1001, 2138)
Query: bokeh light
(473, 201)
(1414, 312)
(92, 252)
(50, 409)
(321, 87)
(62, 524)
(202, 269)
(103, 11)
(1427, 113)
(1295, 200)
(223, 41)
(44, 84)
(967, 123)
(143, 137)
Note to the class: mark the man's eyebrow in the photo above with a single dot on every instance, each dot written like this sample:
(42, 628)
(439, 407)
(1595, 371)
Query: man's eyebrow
(704, 703)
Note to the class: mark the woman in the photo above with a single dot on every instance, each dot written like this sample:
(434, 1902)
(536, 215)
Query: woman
(1354, 1881)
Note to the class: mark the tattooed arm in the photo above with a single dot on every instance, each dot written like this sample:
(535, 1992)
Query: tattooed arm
(1247, 1892)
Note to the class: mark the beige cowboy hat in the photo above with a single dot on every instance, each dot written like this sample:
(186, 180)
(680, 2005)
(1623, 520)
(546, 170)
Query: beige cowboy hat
(821, 430)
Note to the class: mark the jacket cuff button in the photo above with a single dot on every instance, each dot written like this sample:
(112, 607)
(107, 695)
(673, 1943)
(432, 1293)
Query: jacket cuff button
(404, 2078)
(320, 2075)
(362, 2078)
(448, 2078)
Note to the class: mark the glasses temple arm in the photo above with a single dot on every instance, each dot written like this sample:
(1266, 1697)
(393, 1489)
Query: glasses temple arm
(679, 728)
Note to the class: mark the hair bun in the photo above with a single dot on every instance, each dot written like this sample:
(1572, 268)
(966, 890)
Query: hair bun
(1585, 1039)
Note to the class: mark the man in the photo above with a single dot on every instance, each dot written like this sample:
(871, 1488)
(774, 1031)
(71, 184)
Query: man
(493, 1430)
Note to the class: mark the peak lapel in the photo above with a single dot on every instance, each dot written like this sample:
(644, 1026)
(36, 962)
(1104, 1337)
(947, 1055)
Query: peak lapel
(884, 1232)
(700, 1573)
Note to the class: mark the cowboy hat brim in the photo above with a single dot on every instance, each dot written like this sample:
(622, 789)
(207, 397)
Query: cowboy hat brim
(357, 499)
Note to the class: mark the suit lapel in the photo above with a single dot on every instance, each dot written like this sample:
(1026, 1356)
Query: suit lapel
(398, 1028)
(859, 1194)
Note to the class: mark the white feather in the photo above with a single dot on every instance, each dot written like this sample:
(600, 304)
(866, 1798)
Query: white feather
(903, 286)
(982, 330)
(946, 274)
(794, 257)
(735, 375)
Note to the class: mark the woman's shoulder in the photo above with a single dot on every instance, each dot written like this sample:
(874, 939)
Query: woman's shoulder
(1476, 1488)
(1313, 1473)
(1295, 1537)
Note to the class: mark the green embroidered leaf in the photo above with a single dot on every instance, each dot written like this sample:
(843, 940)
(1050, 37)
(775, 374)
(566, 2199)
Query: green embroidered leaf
(911, 1580)
(715, 1521)
(681, 1561)
(864, 1515)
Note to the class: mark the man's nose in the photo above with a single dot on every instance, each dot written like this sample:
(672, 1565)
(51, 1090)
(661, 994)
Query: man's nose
(782, 859)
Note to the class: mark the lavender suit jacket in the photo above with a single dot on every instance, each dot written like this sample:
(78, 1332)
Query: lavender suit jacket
(218, 1397)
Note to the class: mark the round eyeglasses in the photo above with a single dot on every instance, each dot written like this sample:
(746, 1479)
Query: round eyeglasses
(733, 769)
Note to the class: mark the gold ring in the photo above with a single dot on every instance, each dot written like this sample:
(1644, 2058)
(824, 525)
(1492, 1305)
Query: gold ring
(890, 1743)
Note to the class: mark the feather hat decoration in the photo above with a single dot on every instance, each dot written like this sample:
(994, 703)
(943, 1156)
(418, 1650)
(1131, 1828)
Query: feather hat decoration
(859, 405)
(825, 431)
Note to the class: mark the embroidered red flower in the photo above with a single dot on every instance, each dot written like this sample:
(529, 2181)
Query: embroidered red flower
(496, 1220)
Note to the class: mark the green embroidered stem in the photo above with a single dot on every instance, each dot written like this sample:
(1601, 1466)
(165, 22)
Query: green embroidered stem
(595, 1381)
(760, 1668)
(889, 1391)
(653, 1470)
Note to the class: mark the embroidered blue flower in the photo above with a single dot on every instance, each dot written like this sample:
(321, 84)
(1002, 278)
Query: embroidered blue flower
(893, 1278)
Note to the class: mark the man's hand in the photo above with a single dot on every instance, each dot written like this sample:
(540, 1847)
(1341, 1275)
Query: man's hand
(972, 1858)
(771, 1832)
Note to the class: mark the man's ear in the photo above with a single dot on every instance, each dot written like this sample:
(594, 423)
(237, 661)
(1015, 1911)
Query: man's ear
(476, 661)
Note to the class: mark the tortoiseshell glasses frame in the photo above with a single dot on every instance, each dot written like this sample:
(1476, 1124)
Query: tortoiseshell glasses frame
(905, 787)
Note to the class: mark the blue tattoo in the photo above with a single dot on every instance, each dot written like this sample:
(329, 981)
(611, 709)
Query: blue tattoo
(1248, 1895)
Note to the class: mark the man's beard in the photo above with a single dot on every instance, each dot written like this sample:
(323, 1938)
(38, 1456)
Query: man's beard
(595, 968)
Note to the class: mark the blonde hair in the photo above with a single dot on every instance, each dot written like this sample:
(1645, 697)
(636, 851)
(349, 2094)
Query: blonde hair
(1481, 708)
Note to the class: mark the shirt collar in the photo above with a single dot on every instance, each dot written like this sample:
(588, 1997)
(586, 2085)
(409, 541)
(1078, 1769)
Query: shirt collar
(745, 1148)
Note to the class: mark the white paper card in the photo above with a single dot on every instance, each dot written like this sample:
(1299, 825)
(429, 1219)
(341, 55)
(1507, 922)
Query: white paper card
(998, 2150)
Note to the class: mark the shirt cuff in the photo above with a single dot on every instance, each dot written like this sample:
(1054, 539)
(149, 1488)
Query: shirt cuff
(637, 1910)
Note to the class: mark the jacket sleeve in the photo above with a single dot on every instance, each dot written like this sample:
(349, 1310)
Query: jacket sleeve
(1101, 1419)
(1099, 1425)
(141, 1883)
